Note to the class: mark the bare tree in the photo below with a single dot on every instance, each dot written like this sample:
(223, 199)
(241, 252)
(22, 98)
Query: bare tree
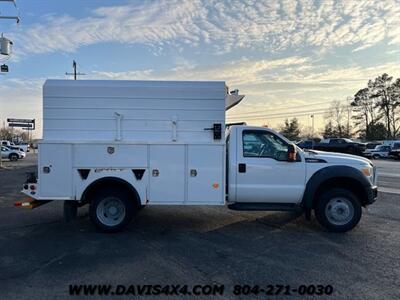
(337, 117)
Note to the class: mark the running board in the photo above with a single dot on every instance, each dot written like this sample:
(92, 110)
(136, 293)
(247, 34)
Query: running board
(265, 206)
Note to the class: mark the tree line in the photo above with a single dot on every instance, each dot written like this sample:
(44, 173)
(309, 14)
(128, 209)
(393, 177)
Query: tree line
(373, 113)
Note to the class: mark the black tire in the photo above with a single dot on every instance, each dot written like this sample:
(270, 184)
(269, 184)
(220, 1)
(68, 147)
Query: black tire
(124, 200)
(339, 202)
(376, 156)
(13, 157)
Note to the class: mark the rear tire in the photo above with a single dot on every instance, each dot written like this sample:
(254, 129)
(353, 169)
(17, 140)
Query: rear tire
(13, 157)
(338, 210)
(112, 209)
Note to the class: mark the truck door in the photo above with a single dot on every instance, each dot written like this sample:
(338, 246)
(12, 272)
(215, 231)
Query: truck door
(263, 172)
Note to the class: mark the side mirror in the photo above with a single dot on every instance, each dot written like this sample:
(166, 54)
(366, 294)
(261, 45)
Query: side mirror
(292, 153)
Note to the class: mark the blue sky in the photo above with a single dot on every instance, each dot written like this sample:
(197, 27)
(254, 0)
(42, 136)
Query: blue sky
(290, 58)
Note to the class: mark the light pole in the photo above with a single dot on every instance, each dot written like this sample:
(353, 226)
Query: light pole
(312, 132)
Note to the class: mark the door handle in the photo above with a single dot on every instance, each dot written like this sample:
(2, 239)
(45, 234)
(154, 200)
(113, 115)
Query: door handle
(242, 168)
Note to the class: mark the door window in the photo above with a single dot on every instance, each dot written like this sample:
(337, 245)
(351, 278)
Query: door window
(260, 143)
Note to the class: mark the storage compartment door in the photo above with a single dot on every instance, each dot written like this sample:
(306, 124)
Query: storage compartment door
(167, 174)
(206, 174)
(57, 159)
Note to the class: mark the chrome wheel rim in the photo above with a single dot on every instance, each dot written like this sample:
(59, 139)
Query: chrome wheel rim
(339, 211)
(110, 211)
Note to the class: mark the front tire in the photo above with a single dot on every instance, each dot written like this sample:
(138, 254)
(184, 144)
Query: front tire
(338, 210)
(13, 157)
(376, 156)
(112, 209)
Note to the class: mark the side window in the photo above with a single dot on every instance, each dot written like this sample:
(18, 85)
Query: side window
(260, 143)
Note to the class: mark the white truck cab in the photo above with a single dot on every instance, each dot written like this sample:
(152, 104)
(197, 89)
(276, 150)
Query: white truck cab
(118, 146)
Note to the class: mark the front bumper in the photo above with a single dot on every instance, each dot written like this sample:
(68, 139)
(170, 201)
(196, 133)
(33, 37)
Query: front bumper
(372, 194)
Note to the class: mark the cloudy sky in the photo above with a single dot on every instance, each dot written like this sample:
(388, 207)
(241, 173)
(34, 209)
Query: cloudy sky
(290, 58)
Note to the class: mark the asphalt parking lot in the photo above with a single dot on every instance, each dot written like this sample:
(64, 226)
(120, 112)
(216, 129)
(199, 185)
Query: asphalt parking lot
(40, 255)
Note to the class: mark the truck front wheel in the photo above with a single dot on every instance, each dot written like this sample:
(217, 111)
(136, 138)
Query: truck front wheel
(338, 210)
(112, 209)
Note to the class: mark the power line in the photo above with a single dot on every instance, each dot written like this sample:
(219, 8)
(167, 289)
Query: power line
(283, 116)
(282, 108)
(280, 114)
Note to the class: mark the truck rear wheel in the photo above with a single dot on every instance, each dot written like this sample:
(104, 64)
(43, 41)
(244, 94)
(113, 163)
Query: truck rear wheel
(338, 210)
(112, 209)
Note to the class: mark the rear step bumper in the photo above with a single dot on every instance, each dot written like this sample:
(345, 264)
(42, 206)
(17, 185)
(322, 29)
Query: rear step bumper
(254, 206)
(32, 203)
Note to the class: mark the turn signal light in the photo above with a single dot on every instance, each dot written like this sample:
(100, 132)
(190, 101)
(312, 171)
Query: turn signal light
(366, 171)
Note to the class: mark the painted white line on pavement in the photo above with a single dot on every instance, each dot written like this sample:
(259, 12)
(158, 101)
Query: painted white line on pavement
(388, 190)
(389, 175)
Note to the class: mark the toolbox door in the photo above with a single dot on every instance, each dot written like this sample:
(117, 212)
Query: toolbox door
(206, 174)
(167, 174)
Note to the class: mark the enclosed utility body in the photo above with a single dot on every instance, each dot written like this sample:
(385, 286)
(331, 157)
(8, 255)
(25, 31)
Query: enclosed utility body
(166, 138)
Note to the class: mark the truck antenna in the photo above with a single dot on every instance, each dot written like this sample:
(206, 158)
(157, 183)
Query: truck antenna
(75, 73)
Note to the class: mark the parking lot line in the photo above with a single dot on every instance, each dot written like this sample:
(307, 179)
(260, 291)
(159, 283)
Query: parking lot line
(389, 190)
(389, 174)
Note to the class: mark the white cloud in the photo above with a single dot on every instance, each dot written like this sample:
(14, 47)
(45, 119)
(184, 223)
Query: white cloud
(224, 26)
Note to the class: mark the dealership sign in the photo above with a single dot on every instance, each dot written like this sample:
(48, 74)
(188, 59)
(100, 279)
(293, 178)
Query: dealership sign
(27, 124)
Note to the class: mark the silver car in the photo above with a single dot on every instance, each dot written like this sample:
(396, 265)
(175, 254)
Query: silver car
(380, 151)
(11, 154)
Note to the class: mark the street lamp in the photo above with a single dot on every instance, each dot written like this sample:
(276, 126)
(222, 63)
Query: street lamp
(312, 117)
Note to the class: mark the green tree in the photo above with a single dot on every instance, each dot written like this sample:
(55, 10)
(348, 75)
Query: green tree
(364, 112)
(376, 132)
(291, 129)
(386, 94)
(328, 131)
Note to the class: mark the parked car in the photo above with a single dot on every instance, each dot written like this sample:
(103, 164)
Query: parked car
(306, 144)
(24, 147)
(5, 143)
(11, 154)
(395, 151)
(341, 145)
(16, 147)
(372, 145)
(380, 151)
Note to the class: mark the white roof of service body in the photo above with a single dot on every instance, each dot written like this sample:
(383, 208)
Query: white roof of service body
(84, 110)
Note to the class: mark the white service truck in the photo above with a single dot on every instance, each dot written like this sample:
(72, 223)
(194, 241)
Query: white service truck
(121, 145)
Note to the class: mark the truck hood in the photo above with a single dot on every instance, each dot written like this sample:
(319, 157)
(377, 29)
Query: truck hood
(337, 158)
